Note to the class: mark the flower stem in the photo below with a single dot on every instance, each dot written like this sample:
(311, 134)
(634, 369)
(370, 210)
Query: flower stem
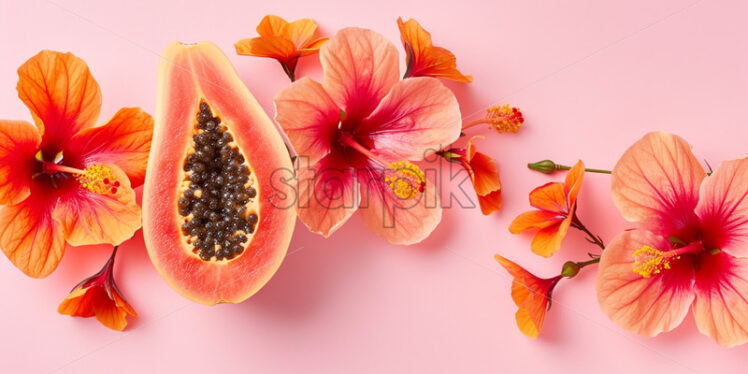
(548, 167)
(592, 238)
(589, 170)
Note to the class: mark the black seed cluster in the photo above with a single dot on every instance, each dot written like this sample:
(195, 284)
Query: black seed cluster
(215, 203)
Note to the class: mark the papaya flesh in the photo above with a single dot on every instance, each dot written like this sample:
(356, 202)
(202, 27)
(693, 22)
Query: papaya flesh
(212, 221)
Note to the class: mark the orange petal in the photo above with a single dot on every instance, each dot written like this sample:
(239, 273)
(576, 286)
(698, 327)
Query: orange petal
(427, 60)
(274, 46)
(327, 194)
(360, 68)
(309, 118)
(723, 208)
(485, 174)
(109, 314)
(125, 141)
(656, 182)
(313, 46)
(300, 32)
(271, 25)
(646, 306)
(61, 93)
(534, 219)
(122, 304)
(490, 203)
(573, 182)
(91, 218)
(550, 197)
(19, 142)
(31, 237)
(417, 116)
(400, 221)
(530, 294)
(79, 303)
(721, 307)
(547, 241)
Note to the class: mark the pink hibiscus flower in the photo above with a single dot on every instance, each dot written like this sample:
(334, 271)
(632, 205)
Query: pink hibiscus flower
(690, 250)
(356, 134)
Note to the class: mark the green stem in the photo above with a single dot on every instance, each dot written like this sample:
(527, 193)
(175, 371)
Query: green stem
(592, 238)
(589, 170)
(587, 263)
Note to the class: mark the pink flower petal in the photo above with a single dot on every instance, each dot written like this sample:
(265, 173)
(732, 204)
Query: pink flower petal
(723, 208)
(327, 194)
(656, 182)
(360, 68)
(419, 115)
(400, 221)
(309, 117)
(646, 306)
(721, 305)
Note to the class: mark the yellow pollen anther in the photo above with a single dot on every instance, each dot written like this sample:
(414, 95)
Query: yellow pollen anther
(649, 260)
(405, 179)
(505, 118)
(98, 179)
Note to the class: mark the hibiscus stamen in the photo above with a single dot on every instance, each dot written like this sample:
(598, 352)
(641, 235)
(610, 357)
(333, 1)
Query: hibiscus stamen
(502, 118)
(649, 260)
(98, 179)
(406, 180)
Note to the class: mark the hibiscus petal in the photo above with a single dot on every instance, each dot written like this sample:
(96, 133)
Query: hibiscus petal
(490, 203)
(428, 60)
(656, 182)
(400, 221)
(109, 314)
(80, 302)
(533, 219)
(275, 47)
(61, 93)
(31, 237)
(19, 142)
(419, 115)
(548, 240)
(300, 31)
(360, 67)
(309, 118)
(271, 25)
(550, 197)
(646, 306)
(721, 305)
(723, 208)
(485, 174)
(91, 218)
(125, 141)
(327, 195)
(573, 182)
(529, 293)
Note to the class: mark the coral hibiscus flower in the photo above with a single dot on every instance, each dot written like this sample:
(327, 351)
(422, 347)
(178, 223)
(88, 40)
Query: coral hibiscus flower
(99, 296)
(425, 60)
(283, 41)
(556, 205)
(690, 247)
(531, 294)
(483, 174)
(64, 180)
(358, 130)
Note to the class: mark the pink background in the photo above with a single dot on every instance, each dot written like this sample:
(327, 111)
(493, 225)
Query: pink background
(590, 76)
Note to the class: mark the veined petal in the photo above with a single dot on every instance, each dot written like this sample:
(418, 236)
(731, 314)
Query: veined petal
(96, 218)
(550, 197)
(300, 31)
(721, 305)
(61, 93)
(646, 306)
(19, 142)
(428, 60)
(547, 241)
(419, 115)
(400, 221)
(276, 47)
(360, 67)
(723, 208)
(125, 141)
(271, 25)
(328, 194)
(656, 182)
(309, 117)
(31, 237)
(80, 302)
(534, 219)
(111, 313)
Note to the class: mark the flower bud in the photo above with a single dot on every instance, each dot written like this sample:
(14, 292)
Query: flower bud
(545, 166)
(570, 269)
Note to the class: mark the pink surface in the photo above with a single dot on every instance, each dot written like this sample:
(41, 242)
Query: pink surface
(591, 77)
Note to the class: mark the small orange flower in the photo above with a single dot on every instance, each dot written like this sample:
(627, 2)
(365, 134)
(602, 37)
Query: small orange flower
(65, 180)
(531, 294)
(556, 204)
(483, 174)
(283, 41)
(99, 296)
(425, 60)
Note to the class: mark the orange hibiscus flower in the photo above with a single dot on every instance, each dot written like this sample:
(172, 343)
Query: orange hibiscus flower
(531, 294)
(483, 174)
(425, 60)
(99, 296)
(556, 211)
(283, 41)
(65, 180)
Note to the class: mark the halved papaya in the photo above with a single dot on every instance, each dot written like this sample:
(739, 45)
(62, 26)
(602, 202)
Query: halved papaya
(213, 222)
